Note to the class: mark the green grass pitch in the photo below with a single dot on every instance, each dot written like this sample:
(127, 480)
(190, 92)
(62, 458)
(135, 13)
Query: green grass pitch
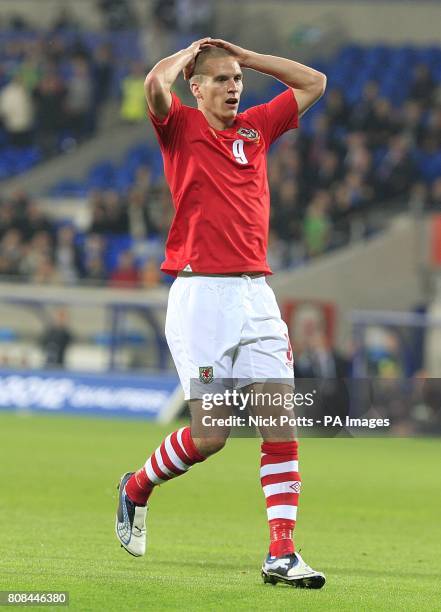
(369, 518)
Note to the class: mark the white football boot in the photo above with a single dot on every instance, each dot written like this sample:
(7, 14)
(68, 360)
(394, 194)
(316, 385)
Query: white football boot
(291, 569)
(130, 521)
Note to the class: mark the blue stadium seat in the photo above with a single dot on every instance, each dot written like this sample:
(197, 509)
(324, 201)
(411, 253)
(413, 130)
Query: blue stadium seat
(428, 165)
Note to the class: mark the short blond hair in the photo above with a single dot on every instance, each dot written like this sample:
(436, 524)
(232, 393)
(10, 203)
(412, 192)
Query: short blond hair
(205, 54)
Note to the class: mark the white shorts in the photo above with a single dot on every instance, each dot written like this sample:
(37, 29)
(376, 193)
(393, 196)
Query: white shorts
(227, 327)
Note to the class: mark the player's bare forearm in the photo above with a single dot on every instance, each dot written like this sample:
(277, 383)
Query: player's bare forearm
(288, 71)
(159, 81)
(309, 84)
(167, 70)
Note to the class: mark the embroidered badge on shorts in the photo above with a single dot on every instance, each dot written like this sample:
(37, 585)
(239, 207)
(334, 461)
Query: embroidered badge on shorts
(206, 374)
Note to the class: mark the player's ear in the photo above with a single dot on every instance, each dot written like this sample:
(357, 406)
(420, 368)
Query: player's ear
(195, 88)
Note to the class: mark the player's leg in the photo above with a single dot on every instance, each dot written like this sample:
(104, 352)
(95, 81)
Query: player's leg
(178, 452)
(267, 356)
(173, 457)
(279, 472)
(281, 483)
(192, 315)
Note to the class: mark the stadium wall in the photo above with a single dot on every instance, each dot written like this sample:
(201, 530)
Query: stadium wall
(384, 272)
(392, 21)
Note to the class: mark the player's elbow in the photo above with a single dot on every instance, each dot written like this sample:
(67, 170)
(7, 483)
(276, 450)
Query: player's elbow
(152, 85)
(319, 84)
(323, 83)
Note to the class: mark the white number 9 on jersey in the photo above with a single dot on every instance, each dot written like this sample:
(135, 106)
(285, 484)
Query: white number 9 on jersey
(238, 152)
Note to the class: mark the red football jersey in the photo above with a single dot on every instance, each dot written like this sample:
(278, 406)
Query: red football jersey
(218, 181)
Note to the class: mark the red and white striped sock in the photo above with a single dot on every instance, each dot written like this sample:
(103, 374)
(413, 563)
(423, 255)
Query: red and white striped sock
(174, 457)
(280, 479)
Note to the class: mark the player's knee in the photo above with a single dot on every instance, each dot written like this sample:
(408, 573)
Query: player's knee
(209, 446)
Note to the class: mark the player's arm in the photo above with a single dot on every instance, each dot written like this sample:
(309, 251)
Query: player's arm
(308, 84)
(159, 81)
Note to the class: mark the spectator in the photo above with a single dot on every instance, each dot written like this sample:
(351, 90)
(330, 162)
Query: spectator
(329, 171)
(50, 96)
(319, 359)
(94, 270)
(431, 136)
(45, 272)
(327, 369)
(126, 274)
(98, 218)
(285, 212)
(93, 258)
(423, 86)
(358, 157)
(383, 125)
(36, 221)
(358, 193)
(150, 274)
(56, 51)
(362, 115)
(67, 256)
(412, 121)
(36, 263)
(337, 111)
(116, 214)
(17, 112)
(7, 219)
(133, 105)
(11, 252)
(102, 74)
(397, 172)
(314, 145)
(79, 99)
(56, 339)
(316, 226)
(141, 226)
(29, 69)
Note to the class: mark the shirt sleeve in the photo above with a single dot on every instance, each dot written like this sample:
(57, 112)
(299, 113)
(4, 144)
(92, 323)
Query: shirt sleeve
(276, 117)
(168, 129)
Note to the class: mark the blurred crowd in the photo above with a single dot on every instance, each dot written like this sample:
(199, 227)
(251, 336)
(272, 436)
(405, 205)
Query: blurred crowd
(121, 247)
(52, 90)
(325, 181)
(54, 83)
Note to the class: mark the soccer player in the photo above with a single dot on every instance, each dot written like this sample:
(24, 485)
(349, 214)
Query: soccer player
(223, 321)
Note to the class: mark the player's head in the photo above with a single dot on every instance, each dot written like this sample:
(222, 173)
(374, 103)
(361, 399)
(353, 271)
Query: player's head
(216, 82)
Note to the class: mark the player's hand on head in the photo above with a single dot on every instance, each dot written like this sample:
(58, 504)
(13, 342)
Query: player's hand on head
(194, 48)
(239, 53)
